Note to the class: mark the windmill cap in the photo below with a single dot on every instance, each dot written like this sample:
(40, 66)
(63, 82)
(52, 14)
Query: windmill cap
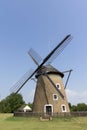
(48, 69)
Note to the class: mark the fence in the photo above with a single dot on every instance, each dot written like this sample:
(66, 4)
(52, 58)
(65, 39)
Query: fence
(64, 114)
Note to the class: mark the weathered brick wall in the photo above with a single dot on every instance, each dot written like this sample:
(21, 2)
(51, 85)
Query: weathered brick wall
(44, 94)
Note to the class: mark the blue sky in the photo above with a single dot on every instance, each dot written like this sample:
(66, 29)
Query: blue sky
(42, 25)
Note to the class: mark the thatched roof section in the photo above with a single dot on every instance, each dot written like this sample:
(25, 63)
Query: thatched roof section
(49, 70)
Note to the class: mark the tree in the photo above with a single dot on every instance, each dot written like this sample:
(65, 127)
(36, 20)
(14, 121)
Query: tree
(74, 108)
(78, 107)
(70, 106)
(11, 103)
(30, 105)
(81, 107)
(4, 106)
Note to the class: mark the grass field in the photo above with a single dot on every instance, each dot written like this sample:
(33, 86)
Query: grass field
(8, 122)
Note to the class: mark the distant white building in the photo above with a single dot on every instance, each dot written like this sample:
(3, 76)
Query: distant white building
(27, 108)
(24, 108)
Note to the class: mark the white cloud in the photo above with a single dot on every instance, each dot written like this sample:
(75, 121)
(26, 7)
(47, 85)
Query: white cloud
(76, 97)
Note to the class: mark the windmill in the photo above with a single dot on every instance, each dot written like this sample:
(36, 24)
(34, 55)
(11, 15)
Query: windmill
(50, 96)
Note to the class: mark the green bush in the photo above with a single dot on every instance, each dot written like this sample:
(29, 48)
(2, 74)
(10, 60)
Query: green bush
(11, 103)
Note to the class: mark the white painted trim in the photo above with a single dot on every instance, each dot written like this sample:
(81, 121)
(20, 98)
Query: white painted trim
(63, 105)
(48, 105)
(56, 98)
(58, 85)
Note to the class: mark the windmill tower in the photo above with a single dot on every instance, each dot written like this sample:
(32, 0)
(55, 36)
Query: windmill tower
(50, 96)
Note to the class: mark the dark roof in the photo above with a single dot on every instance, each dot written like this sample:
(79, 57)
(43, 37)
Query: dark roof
(48, 69)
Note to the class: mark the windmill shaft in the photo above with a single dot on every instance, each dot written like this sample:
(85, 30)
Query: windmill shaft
(67, 71)
(68, 78)
(51, 53)
(26, 80)
(21, 84)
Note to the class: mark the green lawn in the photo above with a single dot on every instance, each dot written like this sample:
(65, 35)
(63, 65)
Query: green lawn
(8, 122)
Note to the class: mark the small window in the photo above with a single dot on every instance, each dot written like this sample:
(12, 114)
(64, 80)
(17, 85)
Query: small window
(63, 108)
(58, 86)
(55, 97)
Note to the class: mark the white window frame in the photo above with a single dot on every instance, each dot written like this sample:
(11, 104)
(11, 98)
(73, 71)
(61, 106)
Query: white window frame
(58, 85)
(48, 105)
(54, 98)
(63, 105)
